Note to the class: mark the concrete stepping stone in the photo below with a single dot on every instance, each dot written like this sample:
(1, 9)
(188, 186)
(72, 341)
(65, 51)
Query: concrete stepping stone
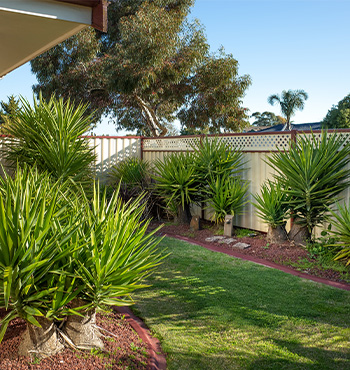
(241, 245)
(227, 241)
(214, 238)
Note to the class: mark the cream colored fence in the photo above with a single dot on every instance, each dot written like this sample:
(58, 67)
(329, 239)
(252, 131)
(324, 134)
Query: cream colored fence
(255, 146)
(110, 150)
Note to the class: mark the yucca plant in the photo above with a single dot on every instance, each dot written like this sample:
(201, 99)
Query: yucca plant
(37, 233)
(272, 207)
(226, 196)
(213, 158)
(134, 175)
(341, 222)
(312, 173)
(117, 257)
(132, 171)
(176, 181)
(49, 135)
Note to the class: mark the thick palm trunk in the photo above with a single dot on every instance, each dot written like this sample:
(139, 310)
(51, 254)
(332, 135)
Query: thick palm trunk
(82, 330)
(183, 214)
(40, 342)
(277, 234)
(299, 234)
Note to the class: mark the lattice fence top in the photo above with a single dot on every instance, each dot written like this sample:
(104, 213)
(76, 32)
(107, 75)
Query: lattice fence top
(171, 144)
(244, 142)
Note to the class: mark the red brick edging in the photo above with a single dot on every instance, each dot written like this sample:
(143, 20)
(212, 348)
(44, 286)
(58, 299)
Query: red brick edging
(157, 360)
(263, 262)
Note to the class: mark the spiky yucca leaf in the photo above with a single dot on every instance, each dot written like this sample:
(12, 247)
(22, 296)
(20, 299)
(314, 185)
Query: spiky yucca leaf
(176, 179)
(272, 204)
(119, 253)
(341, 222)
(226, 196)
(312, 172)
(48, 134)
(213, 158)
(36, 236)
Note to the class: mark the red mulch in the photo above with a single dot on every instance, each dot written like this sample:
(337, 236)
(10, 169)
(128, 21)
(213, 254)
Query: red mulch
(282, 254)
(125, 351)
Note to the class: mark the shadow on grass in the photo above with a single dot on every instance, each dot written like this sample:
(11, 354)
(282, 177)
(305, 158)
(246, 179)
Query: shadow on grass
(257, 317)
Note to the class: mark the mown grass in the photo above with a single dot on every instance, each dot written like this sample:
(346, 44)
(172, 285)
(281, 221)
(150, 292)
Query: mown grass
(212, 311)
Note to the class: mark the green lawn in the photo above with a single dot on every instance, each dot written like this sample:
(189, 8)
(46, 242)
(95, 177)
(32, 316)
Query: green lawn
(212, 311)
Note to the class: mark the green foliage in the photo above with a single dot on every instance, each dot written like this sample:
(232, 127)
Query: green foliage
(37, 232)
(152, 67)
(339, 115)
(312, 174)
(341, 222)
(226, 196)
(290, 101)
(132, 171)
(176, 180)
(266, 119)
(117, 255)
(8, 110)
(55, 247)
(48, 135)
(213, 158)
(272, 204)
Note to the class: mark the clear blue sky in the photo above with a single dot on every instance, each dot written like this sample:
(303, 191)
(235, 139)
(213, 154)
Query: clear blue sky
(281, 44)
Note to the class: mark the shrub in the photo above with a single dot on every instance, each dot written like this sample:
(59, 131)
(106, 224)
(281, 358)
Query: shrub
(48, 135)
(134, 176)
(312, 174)
(341, 221)
(37, 232)
(272, 207)
(213, 159)
(63, 257)
(226, 196)
(177, 183)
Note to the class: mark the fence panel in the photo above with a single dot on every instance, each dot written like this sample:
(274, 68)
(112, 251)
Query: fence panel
(110, 150)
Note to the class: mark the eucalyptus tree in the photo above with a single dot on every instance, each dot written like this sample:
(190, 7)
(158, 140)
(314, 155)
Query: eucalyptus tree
(289, 101)
(152, 67)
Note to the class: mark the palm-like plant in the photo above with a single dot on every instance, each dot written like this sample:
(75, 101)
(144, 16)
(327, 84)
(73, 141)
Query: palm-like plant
(37, 231)
(134, 175)
(177, 183)
(272, 207)
(341, 221)
(118, 255)
(226, 196)
(290, 101)
(312, 174)
(48, 134)
(213, 158)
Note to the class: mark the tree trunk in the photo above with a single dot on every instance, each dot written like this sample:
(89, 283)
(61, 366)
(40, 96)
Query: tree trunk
(277, 234)
(82, 331)
(299, 234)
(40, 342)
(183, 214)
(151, 119)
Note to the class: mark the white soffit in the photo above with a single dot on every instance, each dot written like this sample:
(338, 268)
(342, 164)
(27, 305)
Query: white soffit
(30, 27)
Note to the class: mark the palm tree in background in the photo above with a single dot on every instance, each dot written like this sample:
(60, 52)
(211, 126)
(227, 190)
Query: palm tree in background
(290, 101)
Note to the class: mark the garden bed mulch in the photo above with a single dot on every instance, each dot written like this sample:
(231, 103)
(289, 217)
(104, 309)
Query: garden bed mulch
(286, 257)
(128, 345)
